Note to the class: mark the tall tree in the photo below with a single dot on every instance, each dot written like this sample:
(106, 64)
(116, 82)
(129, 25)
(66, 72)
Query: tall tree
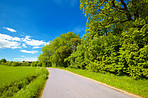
(107, 15)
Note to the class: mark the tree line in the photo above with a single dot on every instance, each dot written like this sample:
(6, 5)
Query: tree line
(23, 63)
(116, 40)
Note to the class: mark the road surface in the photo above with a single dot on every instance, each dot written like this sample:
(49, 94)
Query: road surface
(63, 84)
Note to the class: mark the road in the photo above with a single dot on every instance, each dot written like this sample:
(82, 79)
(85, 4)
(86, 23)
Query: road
(63, 84)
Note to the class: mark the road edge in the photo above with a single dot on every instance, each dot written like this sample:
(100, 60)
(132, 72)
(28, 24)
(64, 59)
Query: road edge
(117, 89)
(42, 90)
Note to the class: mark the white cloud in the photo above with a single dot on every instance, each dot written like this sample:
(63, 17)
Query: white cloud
(16, 39)
(9, 29)
(30, 59)
(25, 51)
(18, 59)
(27, 38)
(24, 46)
(8, 37)
(22, 56)
(48, 43)
(26, 59)
(33, 42)
(9, 44)
(7, 41)
(35, 47)
(5, 37)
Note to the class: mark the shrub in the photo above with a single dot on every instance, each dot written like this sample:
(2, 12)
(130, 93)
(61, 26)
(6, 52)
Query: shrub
(9, 63)
(15, 64)
(3, 61)
(25, 64)
(33, 64)
(39, 64)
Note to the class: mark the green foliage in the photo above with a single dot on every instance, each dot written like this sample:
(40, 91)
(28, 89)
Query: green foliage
(33, 89)
(76, 59)
(45, 56)
(25, 64)
(116, 40)
(104, 16)
(39, 64)
(59, 49)
(14, 64)
(9, 63)
(34, 64)
(3, 61)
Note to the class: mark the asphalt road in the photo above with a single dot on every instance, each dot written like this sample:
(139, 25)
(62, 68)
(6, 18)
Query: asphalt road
(63, 84)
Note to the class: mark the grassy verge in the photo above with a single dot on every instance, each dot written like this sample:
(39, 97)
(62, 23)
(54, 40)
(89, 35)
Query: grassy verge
(139, 87)
(34, 88)
(25, 83)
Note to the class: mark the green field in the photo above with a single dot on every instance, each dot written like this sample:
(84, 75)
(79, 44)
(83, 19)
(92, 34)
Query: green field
(139, 87)
(8, 74)
(18, 81)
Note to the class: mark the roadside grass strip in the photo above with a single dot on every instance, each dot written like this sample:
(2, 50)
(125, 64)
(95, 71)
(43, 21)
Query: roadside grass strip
(33, 89)
(138, 87)
(30, 84)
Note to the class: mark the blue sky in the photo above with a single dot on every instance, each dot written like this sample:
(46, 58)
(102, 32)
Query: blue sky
(28, 25)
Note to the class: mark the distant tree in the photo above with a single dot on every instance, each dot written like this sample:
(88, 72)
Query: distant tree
(3, 60)
(14, 64)
(9, 63)
(39, 64)
(25, 64)
(34, 64)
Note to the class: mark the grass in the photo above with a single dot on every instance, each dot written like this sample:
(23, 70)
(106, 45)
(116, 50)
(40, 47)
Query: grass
(34, 88)
(139, 87)
(21, 82)
(8, 73)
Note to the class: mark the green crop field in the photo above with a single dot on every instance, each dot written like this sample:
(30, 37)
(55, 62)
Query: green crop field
(8, 74)
(26, 81)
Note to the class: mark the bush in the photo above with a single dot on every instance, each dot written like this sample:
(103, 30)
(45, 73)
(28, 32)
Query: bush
(3, 61)
(39, 64)
(15, 64)
(9, 63)
(33, 64)
(25, 64)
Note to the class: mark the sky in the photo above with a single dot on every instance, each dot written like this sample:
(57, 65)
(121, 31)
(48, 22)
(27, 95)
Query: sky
(28, 25)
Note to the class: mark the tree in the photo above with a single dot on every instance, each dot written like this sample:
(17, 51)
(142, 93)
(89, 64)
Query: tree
(117, 15)
(3, 61)
(61, 48)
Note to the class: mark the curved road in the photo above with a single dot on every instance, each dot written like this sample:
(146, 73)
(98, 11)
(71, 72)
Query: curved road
(63, 84)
